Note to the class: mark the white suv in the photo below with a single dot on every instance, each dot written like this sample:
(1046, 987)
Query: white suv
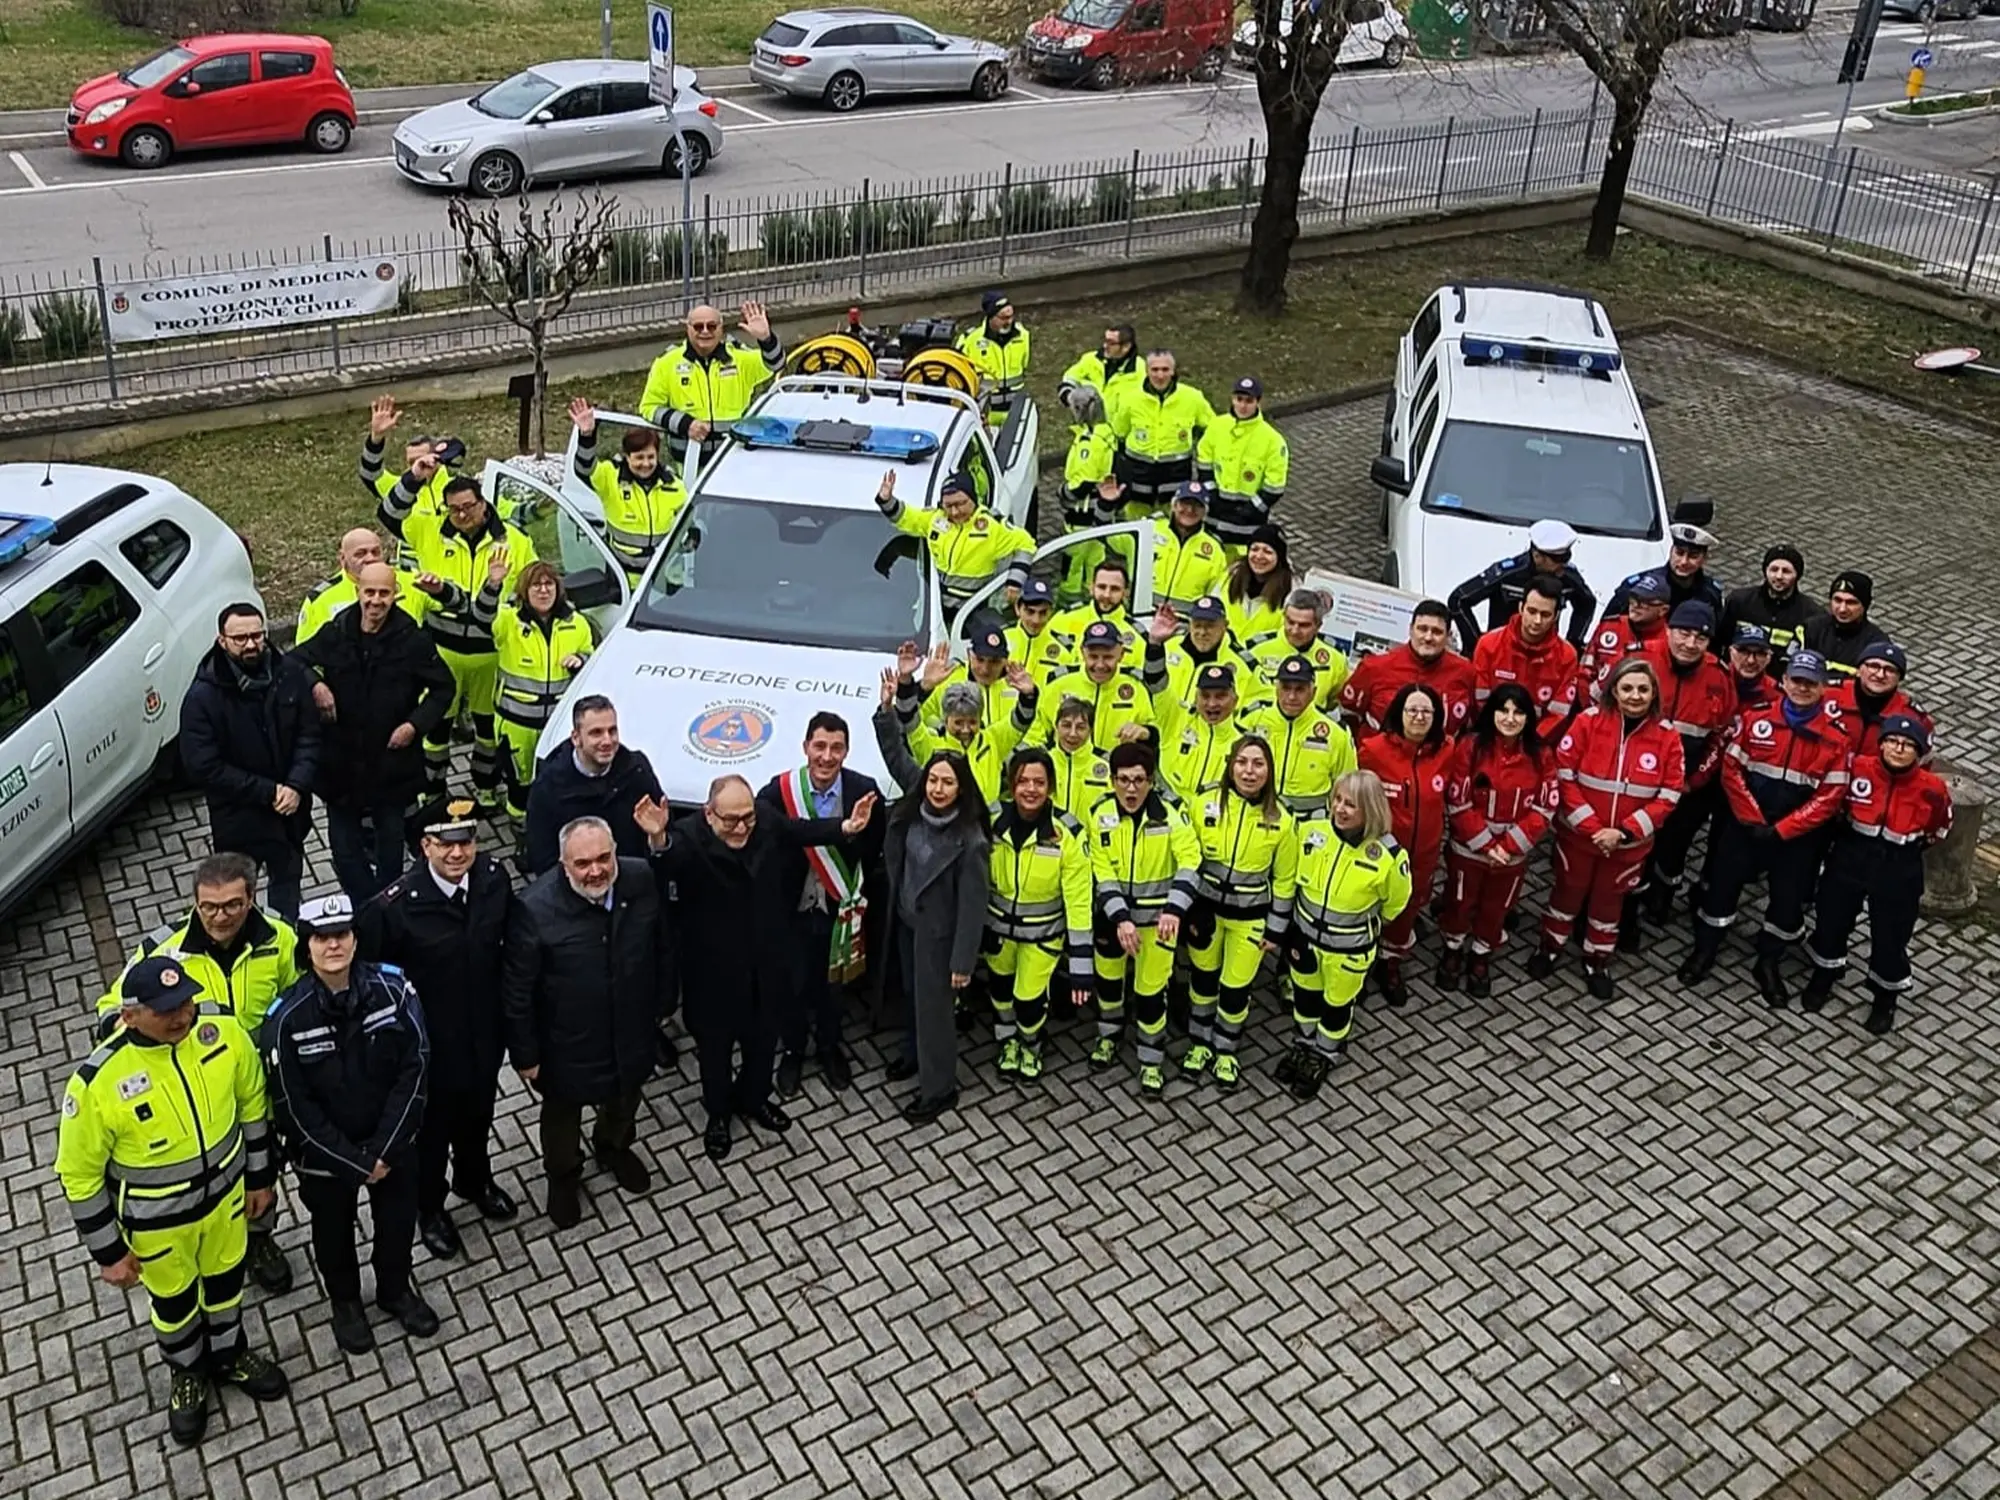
(1512, 405)
(109, 586)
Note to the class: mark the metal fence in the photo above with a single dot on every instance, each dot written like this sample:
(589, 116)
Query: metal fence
(883, 239)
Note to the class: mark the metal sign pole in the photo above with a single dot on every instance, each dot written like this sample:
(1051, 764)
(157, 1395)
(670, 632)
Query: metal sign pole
(662, 86)
(604, 29)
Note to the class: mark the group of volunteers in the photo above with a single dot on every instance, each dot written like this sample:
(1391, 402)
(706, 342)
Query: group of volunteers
(1117, 818)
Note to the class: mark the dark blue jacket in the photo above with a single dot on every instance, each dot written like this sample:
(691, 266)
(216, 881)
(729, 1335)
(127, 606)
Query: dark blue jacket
(240, 745)
(1503, 586)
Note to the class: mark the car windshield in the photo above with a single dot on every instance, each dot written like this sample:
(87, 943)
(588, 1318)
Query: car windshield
(515, 99)
(161, 65)
(1520, 475)
(794, 574)
(1100, 15)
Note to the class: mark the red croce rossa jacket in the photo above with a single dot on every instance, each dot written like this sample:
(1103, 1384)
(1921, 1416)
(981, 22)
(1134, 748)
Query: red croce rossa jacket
(1618, 775)
(1500, 795)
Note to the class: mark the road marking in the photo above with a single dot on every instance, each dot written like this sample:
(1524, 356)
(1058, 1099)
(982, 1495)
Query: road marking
(755, 114)
(32, 135)
(34, 177)
(126, 179)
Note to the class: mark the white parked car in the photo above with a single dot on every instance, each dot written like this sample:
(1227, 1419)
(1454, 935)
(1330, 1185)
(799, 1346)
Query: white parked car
(782, 590)
(1376, 35)
(1512, 405)
(109, 587)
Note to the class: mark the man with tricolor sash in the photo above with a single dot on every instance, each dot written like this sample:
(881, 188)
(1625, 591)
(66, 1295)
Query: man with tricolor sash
(831, 926)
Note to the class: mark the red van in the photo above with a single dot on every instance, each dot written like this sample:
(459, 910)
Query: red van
(241, 90)
(1108, 42)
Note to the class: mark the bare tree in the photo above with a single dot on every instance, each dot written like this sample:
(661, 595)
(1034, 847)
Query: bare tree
(1624, 43)
(1298, 46)
(530, 270)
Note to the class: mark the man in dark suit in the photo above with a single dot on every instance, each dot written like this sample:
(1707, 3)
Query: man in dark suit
(830, 928)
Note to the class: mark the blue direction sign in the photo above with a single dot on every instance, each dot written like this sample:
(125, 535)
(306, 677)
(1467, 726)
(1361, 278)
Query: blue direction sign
(660, 53)
(1921, 58)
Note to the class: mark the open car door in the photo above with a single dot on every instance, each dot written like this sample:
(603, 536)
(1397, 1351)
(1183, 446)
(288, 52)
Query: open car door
(1014, 452)
(567, 535)
(1131, 540)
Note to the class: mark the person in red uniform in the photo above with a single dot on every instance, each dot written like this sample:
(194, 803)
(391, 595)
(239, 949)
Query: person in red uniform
(1749, 661)
(1619, 636)
(1425, 657)
(1875, 693)
(1502, 793)
(1414, 765)
(1698, 702)
(1785, 774)
(1620, 773)
(1529, 650)
(1895, 809)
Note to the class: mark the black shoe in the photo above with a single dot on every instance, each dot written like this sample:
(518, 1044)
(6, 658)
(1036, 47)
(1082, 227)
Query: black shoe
(1389, 975)
(1631, 930)
(350, 1328)
(565, 1204)
(900, 1068)
(666, 1054)
(833, 1068)
(267, 1265)
(770, 1117)
(410, 1309)
(1818, 990)
(1449, 968)
(1313, 1068)
(1656, 902)
(716, 1137)
(1881, 1016)
(790, 1081)
(1543, 964)
(440, 1235)
(187, 1407)
(1479, 978)
(627, 1170)
(255, 1375)
(1597, 979)
(1771, 982)
(1696, 967)
(492, 1202)
(922, 1111)
(967, 1017)
(1288, 1065)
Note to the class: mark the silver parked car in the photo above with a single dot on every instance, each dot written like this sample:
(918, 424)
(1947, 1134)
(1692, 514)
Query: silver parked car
(557, 121)
(844, 56)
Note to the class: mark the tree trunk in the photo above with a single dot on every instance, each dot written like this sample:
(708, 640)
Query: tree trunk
(1261, 290)
(538, 339)
(1628, 110)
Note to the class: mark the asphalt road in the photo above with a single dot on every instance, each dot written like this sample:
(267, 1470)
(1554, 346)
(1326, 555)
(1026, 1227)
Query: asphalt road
(61, 209)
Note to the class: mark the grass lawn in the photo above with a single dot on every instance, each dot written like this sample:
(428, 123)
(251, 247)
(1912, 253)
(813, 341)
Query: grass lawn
(292, 490)
(48, 46)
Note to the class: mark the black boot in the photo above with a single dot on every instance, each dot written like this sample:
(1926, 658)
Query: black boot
(1656, 902)
(1882, 1014)
(1597, 979)
(1700, 962)
(1770, 978)
(1450, 967)
(1543, 964)
(1631, 930)
(1818, 989)
(1389, 975)
(1478, 979)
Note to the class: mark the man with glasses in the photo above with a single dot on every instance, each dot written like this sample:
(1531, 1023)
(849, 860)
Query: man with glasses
(1502, 587)
(241, 958)
(706, 381)
(250, 739)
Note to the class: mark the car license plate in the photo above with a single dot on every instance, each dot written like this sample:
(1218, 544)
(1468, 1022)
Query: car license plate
(405, 157)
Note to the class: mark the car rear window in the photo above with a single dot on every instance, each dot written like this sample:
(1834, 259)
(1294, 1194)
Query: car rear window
(783, 34)
(285, 64)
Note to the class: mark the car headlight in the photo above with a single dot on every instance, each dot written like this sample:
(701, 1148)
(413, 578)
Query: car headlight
(105, 111)
(447, 148)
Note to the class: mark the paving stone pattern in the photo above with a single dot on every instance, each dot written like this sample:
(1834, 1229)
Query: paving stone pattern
(1672, 1245)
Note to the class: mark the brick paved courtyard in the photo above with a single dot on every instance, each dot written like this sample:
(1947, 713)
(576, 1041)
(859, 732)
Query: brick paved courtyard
(1672, 1245)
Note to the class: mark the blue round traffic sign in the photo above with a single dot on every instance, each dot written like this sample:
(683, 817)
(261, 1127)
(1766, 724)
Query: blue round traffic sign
(1921, 58)
(663, 37)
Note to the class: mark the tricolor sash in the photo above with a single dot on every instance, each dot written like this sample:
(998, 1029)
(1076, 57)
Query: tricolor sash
(841, 877)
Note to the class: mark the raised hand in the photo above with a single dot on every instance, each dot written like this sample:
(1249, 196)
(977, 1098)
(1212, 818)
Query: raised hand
(431, 584)
(907, 657)
(1109, 488)
(423, 467)
(1020, 679)
(857, 820)
(651, 814)
(1165, 625)
(755, 322)
(937, 666)
(383, 416)
(496, 567)
(583, 415)
(889, 681)
(887, 489)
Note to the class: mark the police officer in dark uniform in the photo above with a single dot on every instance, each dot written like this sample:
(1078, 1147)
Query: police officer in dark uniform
(346, 1058)
(1502, 586)
(444, 924)
(1685, 573)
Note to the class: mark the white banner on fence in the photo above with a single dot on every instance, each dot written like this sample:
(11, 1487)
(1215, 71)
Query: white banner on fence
(239, 301)
(1361, 617)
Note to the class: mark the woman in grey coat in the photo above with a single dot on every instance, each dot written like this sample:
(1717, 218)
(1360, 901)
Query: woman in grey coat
(937, 857)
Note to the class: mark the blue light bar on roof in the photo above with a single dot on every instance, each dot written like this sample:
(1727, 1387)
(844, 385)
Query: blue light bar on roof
(20, 535)
(1486, 351)
(821, 436)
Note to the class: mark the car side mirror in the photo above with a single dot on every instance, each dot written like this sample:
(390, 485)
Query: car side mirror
(1695, 510)
(591, 588)
(544, 116)
(940, 43)
(186, 88)
(1390, 473)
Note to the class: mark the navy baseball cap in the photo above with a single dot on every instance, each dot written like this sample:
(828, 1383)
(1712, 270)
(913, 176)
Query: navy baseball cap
(1037, 591)
(1295, 670)
(1809, 666)
(159, 983)
(1650, 587)
(1216, 677)
(1207, 607)
(1692, 614)
(1102, 633)
(1191, 492)
(990, 644)
(1249, 385)
(1751, 635)
(1889, 652)
(1902, 726)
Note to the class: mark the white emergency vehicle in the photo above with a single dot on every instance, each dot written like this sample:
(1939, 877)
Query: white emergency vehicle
(109, 587)
(1512, 405)
(782, 590)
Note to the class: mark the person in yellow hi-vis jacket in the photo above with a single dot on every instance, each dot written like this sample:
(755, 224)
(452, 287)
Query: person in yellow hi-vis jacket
(998, 348)
(1029, 639)
(163, 1150)
(1107, 369)
(1146, 861)
(984, 745)
(465, 563)
(641, 496)
(1159, 423)
(540, 642)
(1121, 709)
(1313, 749)
(1172, 664)
(969, 544)
(1195, 745)
(1037, 910)
(1247, 461)
(1298, 635)
(707, 381)
(1249, 868)
(1089, 496)
(359, 548)
(1082, 773)
(384, 416)
(1352, 879)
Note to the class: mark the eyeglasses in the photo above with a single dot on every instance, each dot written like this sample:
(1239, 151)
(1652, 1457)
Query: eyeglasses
(733, 820)
(1132, 783)
(703, 327)
(220, 908)
(243, 637)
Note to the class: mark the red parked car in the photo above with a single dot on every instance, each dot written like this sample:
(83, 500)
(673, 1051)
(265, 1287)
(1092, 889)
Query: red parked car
(232, 90)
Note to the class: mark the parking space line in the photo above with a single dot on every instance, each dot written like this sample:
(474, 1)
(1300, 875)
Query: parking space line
(755, 114)
(34, 177)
